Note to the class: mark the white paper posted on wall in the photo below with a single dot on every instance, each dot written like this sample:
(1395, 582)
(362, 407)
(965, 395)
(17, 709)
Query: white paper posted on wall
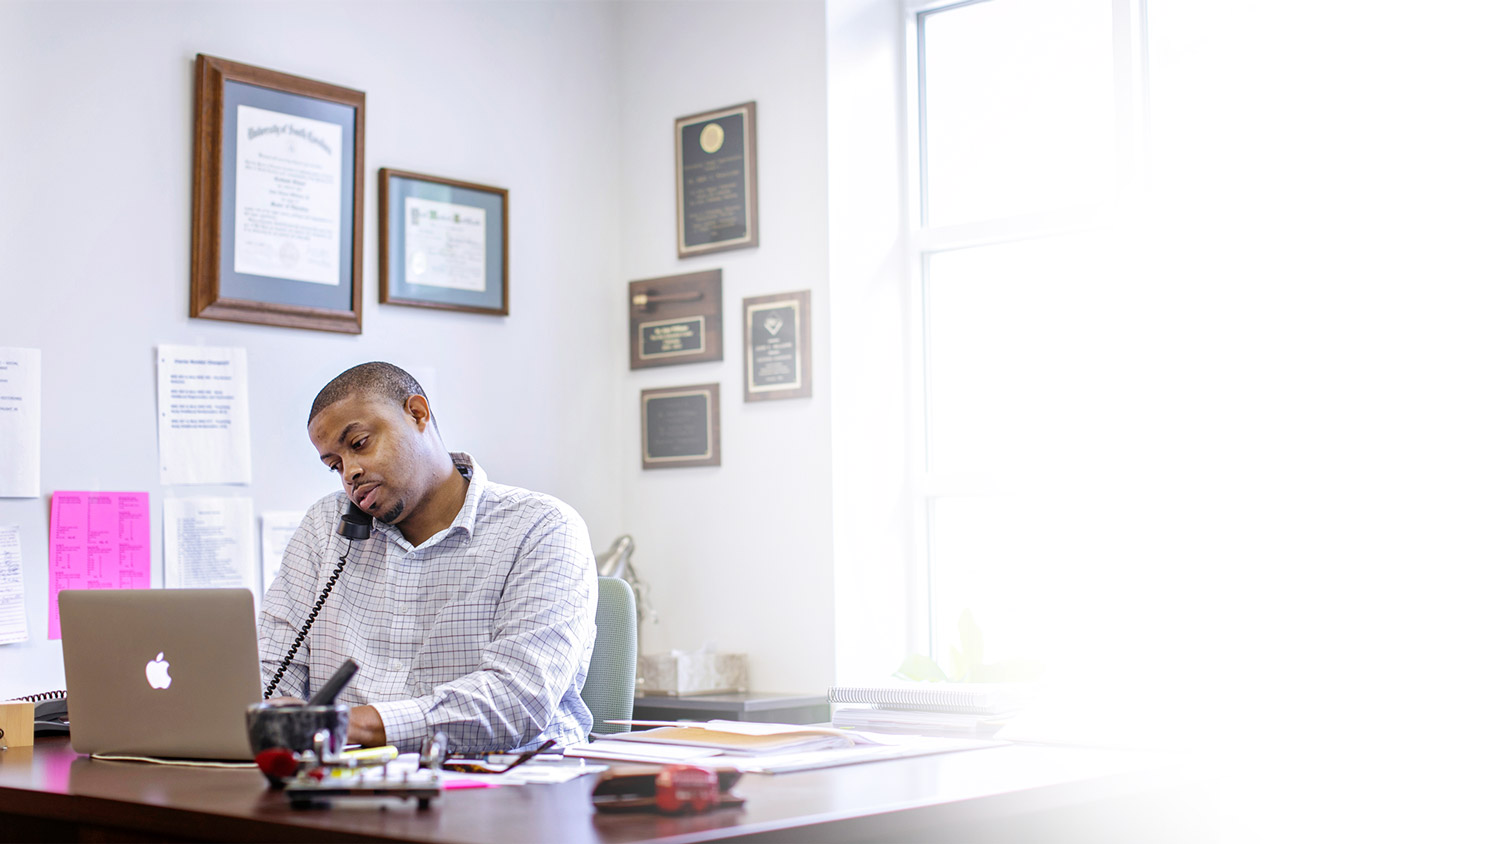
(20, 423)
(203, 415)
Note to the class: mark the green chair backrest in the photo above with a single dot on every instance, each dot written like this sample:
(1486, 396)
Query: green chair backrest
(609, 689)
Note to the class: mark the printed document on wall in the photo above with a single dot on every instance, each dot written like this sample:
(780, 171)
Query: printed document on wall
(203, 415)
(20, 423)
(276, 529)
(209, 543)
(100, 540)
(12, 594)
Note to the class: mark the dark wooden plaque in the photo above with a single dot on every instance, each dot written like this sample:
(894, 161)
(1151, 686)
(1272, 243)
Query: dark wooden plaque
(778, 346)
(680, 427)
(677, 319)
(716, 201)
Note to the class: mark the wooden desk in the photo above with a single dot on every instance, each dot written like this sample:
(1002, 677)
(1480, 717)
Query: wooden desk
(1016, 793)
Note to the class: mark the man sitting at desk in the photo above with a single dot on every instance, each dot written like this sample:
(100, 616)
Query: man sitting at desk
(470, 609)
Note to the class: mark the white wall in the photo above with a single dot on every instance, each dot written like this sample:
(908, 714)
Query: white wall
(95, 189)
(739, 554)
(871, 316)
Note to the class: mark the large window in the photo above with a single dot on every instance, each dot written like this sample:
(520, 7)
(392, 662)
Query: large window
(1027, 121)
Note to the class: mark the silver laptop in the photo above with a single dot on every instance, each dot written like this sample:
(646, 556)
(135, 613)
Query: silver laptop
(160, 672)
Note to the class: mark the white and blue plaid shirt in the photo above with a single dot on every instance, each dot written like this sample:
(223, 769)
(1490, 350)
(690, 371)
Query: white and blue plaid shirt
(484, 631)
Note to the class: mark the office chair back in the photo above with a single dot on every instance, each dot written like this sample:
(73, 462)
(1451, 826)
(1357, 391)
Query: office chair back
(609, 689)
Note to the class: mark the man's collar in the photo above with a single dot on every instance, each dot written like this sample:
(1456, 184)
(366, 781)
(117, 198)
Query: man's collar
(464, 521)
(476, 477)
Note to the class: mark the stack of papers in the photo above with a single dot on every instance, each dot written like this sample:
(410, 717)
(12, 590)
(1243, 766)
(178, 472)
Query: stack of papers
(961, 709)
(734, 740)
(761, 748)
(916, 721)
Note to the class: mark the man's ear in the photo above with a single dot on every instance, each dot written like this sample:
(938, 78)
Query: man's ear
(418, 411)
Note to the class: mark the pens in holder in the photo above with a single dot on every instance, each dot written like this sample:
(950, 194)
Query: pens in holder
(330, 691)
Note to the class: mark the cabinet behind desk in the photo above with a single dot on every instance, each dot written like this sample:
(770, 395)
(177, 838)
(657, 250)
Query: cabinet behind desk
(1043, 794)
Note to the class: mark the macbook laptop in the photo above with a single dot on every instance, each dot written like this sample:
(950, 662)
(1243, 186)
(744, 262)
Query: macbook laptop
(160, 672)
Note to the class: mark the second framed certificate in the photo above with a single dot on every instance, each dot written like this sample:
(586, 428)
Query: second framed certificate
(444, 243)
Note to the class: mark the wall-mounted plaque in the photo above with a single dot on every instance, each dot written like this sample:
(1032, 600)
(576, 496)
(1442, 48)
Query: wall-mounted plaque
(778, 346)
(680, 427)
(716, 203)
(677, 319)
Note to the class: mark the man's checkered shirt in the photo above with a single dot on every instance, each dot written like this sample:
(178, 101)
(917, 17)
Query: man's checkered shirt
(483, 632)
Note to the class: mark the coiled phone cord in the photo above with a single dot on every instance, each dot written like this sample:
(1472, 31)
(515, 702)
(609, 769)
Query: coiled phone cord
(307, 625)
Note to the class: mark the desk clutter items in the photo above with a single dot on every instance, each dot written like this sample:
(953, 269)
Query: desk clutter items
(294, 726)
(314, 778)
(701, 672)
(670, 789)
(299, 748)
(958, 709)
(16, 723)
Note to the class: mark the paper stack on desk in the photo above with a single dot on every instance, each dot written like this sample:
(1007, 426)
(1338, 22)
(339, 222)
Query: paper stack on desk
(962, 709)
(760, 748)
(732, 737)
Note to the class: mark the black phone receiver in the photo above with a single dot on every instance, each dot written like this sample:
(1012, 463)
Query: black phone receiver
(355, 523)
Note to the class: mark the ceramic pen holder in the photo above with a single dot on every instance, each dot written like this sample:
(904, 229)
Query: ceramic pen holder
(292, 726)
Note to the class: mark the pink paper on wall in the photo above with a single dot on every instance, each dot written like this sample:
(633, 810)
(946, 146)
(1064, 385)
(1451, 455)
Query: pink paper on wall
(99, 540)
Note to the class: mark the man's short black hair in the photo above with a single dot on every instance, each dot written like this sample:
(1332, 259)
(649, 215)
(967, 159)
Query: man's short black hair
(376, 378)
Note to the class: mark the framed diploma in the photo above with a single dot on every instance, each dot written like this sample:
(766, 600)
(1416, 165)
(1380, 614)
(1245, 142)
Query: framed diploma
(680, 427)
(444, 244)
(778, 347)
(677, 319)
(278, 193)
(716, 205)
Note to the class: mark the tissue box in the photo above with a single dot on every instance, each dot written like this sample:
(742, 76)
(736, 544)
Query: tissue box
(700, 673)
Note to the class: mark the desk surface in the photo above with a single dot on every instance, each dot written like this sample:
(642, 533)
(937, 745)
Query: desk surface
(50, 785)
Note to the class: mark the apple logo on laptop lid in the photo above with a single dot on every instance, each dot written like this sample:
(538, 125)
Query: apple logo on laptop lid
(156, 672)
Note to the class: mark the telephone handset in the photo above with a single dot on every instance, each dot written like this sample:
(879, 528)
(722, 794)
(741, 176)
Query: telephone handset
(354, 526)
(51, 713)
(355, 523)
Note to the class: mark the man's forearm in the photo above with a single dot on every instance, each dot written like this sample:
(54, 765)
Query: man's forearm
(366, 727)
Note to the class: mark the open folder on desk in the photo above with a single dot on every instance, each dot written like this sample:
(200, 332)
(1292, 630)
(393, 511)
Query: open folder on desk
(763, 748)
(745, 739)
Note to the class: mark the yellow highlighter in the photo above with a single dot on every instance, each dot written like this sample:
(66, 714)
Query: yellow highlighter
(372, 755)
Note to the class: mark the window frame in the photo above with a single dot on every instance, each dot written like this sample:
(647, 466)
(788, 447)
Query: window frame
(1131, 87)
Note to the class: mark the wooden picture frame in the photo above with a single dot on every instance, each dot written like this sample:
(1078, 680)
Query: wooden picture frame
(444, 243)
(278, 198)
(677, 319)
(680, 427)
(778, 346)
(716, 181)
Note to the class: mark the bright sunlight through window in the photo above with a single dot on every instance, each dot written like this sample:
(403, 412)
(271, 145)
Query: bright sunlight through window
(1027, 111)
